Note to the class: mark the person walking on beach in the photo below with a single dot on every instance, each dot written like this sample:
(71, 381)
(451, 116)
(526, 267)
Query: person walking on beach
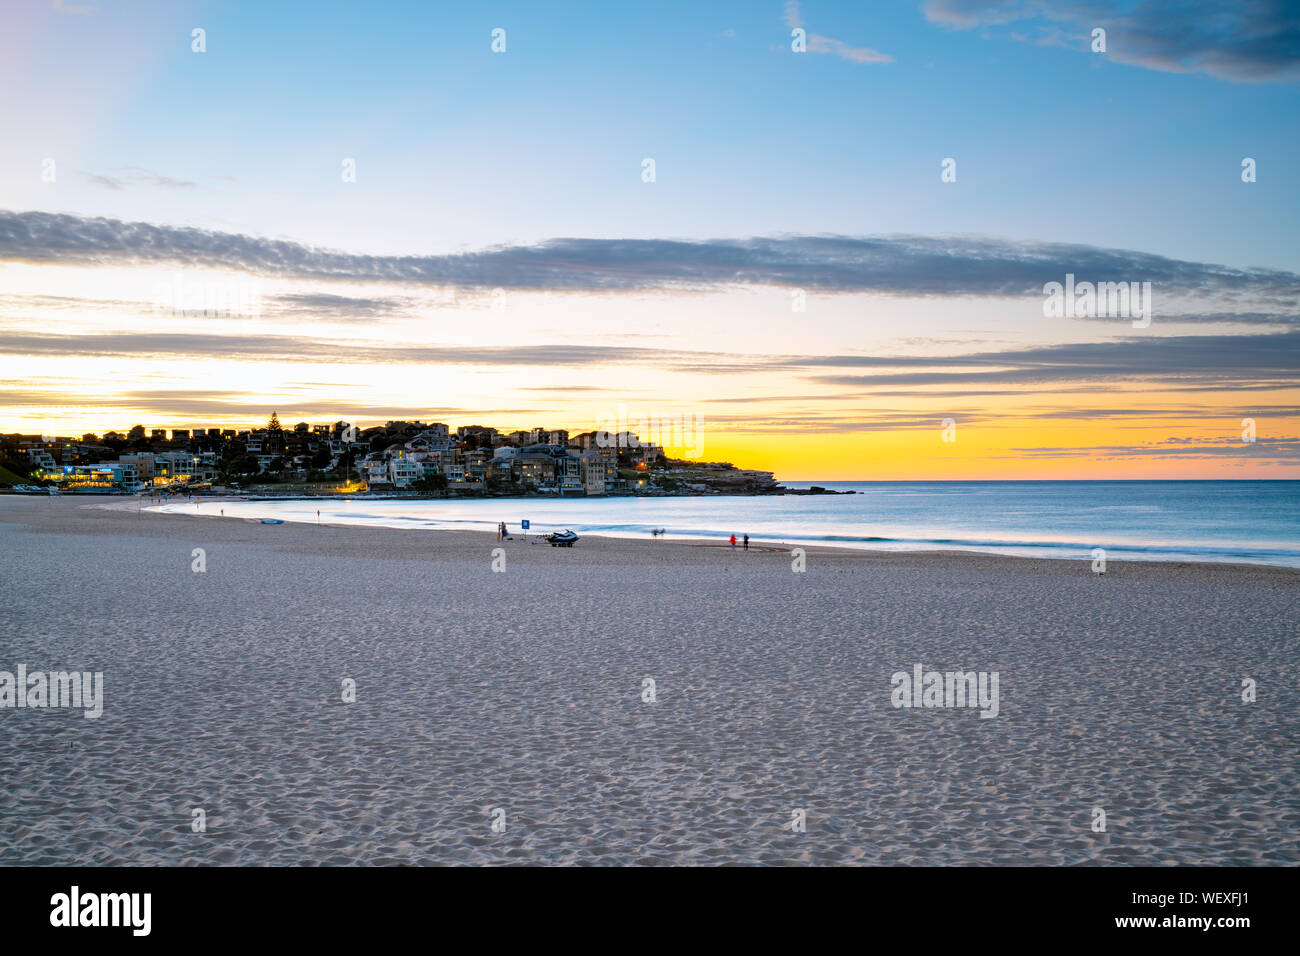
(733, 542)
(746, 542)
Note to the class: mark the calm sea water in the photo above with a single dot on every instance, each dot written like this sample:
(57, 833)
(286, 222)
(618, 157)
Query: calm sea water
(1246, 521)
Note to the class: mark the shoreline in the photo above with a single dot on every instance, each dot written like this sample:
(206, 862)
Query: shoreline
(1115, 555)
(422, 540)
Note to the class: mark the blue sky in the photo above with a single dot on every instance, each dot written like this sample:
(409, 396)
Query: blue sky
(457, 146)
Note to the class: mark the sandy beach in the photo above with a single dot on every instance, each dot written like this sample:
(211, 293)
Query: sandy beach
(522, 691)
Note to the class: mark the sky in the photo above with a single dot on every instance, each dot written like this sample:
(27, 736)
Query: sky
(821, 233)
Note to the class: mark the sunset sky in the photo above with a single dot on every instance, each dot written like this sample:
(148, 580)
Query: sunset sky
(797, 277)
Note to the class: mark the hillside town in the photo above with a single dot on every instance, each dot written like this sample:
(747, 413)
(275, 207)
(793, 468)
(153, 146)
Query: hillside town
(401, 458)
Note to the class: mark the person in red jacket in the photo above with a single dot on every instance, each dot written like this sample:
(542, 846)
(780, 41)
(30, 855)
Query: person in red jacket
(733, 542)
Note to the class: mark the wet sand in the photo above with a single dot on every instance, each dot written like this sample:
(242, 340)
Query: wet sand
(522, 690)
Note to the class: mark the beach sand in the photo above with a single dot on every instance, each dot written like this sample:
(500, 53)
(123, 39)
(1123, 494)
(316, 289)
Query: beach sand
(522, 691)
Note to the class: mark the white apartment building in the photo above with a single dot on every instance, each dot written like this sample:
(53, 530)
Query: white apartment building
(402, 471)
(42, 459)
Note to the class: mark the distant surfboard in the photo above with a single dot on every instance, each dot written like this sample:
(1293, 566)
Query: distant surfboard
(272, 521)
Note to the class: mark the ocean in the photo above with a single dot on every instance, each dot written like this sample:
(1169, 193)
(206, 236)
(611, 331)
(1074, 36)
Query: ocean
(1237, 521)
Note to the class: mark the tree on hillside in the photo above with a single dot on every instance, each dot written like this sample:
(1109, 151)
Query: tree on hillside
(430, 484)
(274, 424)
(242, 465)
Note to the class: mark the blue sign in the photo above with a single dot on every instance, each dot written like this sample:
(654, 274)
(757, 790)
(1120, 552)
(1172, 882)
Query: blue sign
(524, 525)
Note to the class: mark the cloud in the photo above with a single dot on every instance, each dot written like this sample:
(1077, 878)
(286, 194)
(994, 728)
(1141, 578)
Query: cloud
(903, 265)
(859, 54)
(135, 176)
(108, 182)
(1217, 413)
(217, 407)
(1202, 449)
(848, 422)
(1234, 318)
(67, 302)
(1199, 363)
(1225, 360)
(307, 349)
(338, 307)
(1247, 41)
(567, 389)
(793, 18)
